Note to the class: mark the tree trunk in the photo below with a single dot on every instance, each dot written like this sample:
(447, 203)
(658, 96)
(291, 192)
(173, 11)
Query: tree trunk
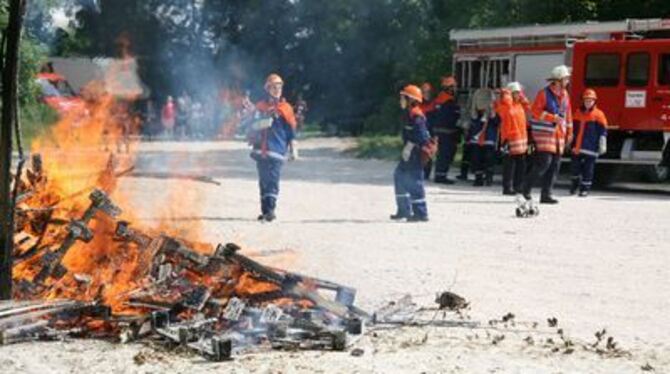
(8, 123)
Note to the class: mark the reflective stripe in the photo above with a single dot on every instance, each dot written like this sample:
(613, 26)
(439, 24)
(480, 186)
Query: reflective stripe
(270, 154)
(274, 196)
(418, 201)
(588, 152)
(440, 130)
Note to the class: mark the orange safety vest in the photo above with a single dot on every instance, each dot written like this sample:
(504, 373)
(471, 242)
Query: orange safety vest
(513, 127)
(547, 135)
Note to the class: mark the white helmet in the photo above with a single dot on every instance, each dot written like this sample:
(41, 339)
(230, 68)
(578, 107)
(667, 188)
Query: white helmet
(515, 87)
(560, 72)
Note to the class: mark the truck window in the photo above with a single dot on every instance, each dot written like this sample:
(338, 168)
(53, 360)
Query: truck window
(637, 69)
(664, 70)
(602, 70)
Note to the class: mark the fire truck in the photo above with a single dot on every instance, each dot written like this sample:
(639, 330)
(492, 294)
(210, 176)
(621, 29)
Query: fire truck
(626, 62)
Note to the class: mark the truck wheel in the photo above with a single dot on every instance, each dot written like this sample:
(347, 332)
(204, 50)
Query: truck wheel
(606, 174)
(656, 173)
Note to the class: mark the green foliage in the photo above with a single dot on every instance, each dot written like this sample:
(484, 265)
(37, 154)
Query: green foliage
(385, 147)
(32, 57)
(347, 58)
(35, 119)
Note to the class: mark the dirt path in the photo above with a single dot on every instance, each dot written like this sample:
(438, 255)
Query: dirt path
(601, 262)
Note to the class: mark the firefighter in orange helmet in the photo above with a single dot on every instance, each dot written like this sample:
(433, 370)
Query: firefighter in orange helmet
(590, 142)
(272, 126)
(446, 128)
(408, 176)
(550, 130)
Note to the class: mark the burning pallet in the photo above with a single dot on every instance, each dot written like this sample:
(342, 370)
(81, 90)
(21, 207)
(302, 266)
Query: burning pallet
(214, 301)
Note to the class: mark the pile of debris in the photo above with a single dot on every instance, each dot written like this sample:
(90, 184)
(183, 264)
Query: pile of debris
(83, 271)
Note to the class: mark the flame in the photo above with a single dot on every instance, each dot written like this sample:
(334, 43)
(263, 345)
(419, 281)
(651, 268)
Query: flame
(78, 154)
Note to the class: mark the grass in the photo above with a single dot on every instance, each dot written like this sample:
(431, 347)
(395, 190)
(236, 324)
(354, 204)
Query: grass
(385, 147)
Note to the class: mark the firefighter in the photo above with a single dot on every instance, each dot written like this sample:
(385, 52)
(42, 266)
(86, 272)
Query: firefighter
(513, 137)
(550, 129)
(482, 138)
(590, 142)
(271, 133)
(408, 175)
(446, 129)
(480, 112)
(428, 108)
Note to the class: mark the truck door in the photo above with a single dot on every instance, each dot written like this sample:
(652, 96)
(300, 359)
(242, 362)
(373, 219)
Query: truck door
(660, 95)
(638, 90)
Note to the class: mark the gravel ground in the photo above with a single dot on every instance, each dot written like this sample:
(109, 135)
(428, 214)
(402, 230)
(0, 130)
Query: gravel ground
(600, 262)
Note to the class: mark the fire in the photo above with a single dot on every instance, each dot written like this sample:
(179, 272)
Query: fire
(78, 156)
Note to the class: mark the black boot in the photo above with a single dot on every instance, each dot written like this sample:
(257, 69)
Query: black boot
(583, 193)
(548, 200)
(574, 186)
(489, 179)
(416, 218)
(479, 180)
(508, 192)
(399, 217)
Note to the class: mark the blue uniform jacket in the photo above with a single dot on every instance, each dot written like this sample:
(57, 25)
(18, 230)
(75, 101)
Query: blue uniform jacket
(273, 142)
(447, 114)
(484, 135)
(416, 132)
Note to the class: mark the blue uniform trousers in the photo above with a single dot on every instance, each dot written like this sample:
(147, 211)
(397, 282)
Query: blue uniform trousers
(446, 150)
(583, 167)
(269, 172)
(409, 190)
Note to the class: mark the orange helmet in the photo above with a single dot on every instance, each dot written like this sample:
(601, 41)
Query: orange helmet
(413, 92)
(448, 81)
(273, 79)
(427, 87)
(589, 93)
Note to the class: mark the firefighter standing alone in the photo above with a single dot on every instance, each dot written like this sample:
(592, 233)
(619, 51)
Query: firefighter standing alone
(551, 129)
(408, 176)
(271, 134)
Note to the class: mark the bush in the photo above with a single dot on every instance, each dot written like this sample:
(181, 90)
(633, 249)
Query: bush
(387, 121)
(35, 119)
(386, 147)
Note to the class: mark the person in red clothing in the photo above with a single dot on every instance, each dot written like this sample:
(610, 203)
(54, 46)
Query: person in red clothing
(590, 142)
(550, 130)
(513, 136)
(168, 117)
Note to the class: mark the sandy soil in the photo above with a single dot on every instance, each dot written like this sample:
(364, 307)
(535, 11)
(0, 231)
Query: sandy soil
(601, 262)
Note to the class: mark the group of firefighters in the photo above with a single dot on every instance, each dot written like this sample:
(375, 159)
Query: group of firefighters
(531, 136)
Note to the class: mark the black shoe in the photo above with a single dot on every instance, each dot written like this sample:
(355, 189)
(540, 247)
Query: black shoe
(548, 200)
(573, 187)
(444, 181)
(509, 193)
(416, 218)
(267, 217)
(398, 217)
(462, 177)
(489, 181)
(583, 193)
(479, 182)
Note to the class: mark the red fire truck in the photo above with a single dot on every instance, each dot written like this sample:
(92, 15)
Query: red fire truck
(626, 62)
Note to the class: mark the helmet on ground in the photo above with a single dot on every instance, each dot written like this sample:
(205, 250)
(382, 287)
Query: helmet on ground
(273, 79)
(560, 72)
(589, 93)
(413, 92)
(514, 87)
